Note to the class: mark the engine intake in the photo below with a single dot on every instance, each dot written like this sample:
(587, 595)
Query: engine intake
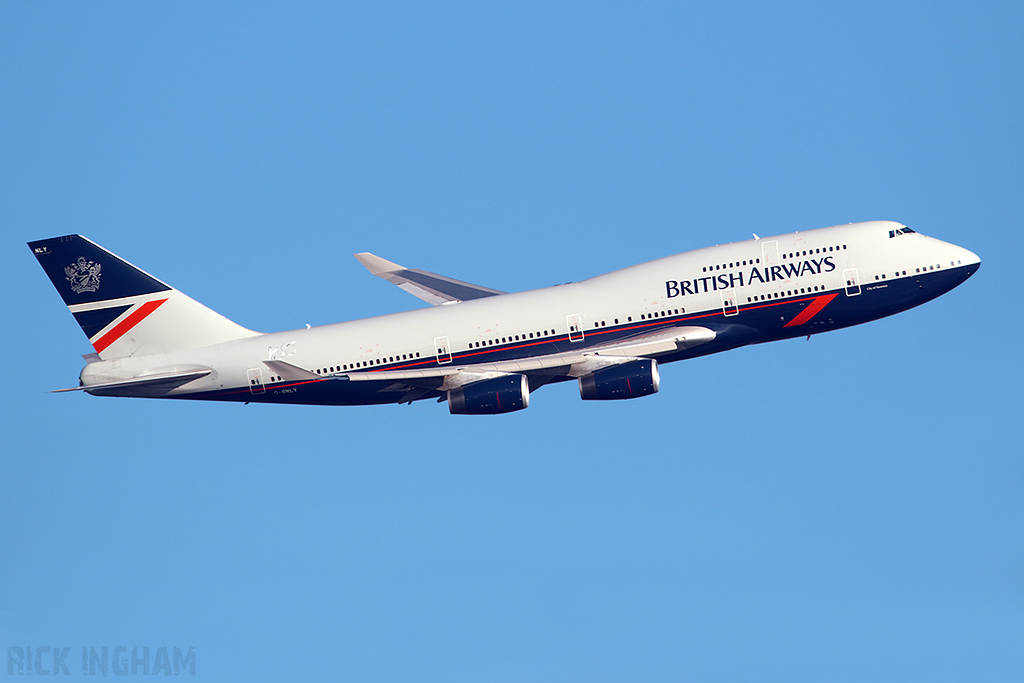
(626, 380)
(491, 396)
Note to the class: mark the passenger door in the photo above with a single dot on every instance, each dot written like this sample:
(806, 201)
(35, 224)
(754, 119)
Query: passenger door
(255, 376)
(729, 305)
(575, 324)
(852, 280)
(443, 348)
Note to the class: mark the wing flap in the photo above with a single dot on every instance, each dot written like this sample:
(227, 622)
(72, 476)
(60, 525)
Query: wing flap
(658, 342)
(647, 345)
(290, 372)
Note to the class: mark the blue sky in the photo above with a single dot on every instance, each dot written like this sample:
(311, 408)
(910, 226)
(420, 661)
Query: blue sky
(844, 508)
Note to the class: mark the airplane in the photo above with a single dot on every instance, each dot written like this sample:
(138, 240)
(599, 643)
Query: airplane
(484, 351)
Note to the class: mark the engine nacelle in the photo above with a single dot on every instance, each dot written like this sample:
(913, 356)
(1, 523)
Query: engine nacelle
(626, 380)
(491, 396)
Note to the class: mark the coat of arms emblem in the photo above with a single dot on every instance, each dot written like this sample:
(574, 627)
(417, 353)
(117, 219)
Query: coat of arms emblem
(83, 275)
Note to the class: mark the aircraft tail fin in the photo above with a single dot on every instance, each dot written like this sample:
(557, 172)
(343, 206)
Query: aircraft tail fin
(123, 310)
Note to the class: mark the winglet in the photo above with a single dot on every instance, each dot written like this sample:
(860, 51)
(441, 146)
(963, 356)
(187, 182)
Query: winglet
(377, 265)
(435, 289)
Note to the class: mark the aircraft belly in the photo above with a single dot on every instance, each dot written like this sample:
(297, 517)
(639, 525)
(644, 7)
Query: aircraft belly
(327, 392)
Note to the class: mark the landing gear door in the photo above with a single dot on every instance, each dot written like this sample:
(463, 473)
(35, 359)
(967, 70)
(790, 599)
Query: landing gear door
(444, 350)
(256, 381)
(852, 280)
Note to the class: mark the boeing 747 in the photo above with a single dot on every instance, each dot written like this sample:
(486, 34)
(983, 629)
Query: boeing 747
(485, 351)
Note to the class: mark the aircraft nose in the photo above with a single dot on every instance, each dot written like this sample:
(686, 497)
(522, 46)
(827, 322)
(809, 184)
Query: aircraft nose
(969, 260)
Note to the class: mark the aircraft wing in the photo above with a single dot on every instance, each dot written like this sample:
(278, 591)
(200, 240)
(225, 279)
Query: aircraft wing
(433, 288)
(542, 369)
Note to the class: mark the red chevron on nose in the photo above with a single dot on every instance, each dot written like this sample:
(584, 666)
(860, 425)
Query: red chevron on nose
(812, 309)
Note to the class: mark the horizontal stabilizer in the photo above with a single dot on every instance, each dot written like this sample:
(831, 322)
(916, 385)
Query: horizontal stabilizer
(433, 288)
(164, 379)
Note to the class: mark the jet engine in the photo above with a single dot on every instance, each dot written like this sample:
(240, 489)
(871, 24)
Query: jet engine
(504, 394)
(626, 380)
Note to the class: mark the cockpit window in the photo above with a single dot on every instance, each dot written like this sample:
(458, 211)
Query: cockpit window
(906, 230)
(900, 231)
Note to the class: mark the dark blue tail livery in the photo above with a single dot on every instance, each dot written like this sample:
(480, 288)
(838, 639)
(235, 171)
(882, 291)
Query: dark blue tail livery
(123, 310)
(84, 272)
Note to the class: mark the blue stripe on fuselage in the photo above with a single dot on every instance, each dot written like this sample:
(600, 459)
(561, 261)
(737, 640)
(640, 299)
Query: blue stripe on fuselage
(757, 322)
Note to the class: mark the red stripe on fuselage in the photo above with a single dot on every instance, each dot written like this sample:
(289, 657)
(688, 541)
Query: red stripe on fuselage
(811, 310)
(120, 329)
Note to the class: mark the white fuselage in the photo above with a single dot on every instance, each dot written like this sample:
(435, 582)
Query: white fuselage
(724, 284)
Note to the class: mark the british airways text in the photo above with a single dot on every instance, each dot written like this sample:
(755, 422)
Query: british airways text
(713, 283)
